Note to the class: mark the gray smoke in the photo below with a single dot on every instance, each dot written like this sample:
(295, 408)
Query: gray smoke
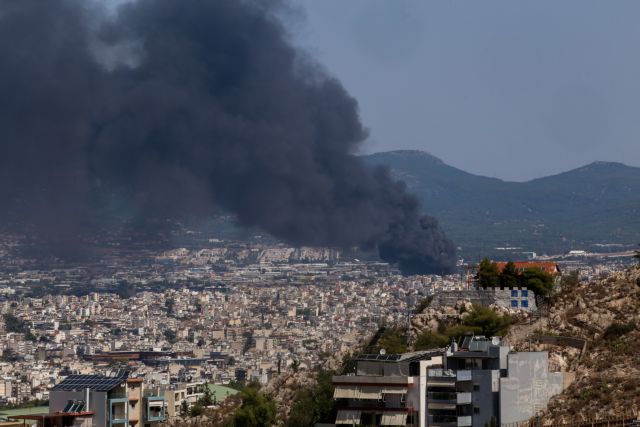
(174, 107)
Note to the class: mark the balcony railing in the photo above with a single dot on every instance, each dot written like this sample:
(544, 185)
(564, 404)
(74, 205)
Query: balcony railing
(464, 375)
(442, 420)
(442, 396)
(463, 399)
(465, 421)
(442, 373)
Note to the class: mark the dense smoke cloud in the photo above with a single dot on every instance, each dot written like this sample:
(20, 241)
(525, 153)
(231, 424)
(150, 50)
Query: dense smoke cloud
(173, 107)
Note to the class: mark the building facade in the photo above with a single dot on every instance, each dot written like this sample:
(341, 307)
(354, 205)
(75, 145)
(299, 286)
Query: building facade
(472, 384)
(101, 401)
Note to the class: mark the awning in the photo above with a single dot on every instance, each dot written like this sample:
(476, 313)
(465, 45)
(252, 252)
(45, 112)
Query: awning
(345, 392)
(354, 392)
(394, 419)
(394, 390)
(348, 417)
(370, 393)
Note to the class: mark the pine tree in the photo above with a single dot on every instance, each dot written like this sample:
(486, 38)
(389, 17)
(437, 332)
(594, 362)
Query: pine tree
(488, 274)
(509, 276)
(184, 409)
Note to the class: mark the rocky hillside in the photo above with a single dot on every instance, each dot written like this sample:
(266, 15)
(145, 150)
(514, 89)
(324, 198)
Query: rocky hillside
(607, 314)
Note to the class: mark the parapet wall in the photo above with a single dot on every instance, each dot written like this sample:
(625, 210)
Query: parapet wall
(513, 298)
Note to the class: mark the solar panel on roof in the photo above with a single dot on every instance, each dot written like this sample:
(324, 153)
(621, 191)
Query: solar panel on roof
(93, 382)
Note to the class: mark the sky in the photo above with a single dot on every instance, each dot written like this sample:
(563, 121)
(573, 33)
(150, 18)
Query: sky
(509, 89)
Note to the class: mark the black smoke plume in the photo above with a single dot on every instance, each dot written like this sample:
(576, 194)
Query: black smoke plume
(169, 107)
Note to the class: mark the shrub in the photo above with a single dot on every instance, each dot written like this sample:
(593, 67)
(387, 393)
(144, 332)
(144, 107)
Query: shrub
(617, 330)
(429, 340)
(487, 321)
(426, 302)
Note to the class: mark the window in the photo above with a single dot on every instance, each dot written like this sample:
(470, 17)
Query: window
(524, 303)
(525, 293)
(476, 387)
(476, 410)
(514, 293)
(514, 303)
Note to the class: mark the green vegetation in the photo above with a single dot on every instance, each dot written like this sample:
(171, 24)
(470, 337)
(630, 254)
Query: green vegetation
(184, 408)
(534, 279)
(169, 305)
(426, 302)
(14, 324)
(37, 403)
(257, 409)
(315, 404)
(538, 281)
(393, 340)
(617, 330)
(488, 274)
(196, 410)
(509, 276)
(488, 322)
(429, 340)
(207, 398)
(480, 321)
(170, 336)
(570, 280)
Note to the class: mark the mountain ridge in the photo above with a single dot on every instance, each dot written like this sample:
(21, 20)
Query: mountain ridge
(593, 204)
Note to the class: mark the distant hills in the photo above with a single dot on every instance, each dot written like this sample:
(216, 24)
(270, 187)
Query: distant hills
(589, 208)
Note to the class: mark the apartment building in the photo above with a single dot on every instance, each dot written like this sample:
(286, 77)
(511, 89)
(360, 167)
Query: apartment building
(472, 384)
(385, 390)
(101, 401)
(484, 382)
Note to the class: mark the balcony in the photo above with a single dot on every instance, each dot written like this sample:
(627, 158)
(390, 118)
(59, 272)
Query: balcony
(118, 413)
(463, 399)
(463, 375)
(441, 400)
(464, 421)
(156, 409)
(441, 378)
(373, 380)
(442, 421)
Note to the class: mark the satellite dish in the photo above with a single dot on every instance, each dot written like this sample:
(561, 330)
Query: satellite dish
(495, 340)
(383, 352)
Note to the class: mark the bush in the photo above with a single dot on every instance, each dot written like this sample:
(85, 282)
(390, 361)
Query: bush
(429, 340)
(538, 281)
(257, 410)
(314, 404)
(393, 340)
(486, 321)
(426, 302)
(617, 330)
(456, 331)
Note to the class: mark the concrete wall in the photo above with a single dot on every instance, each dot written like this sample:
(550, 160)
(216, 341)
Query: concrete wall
(528, 386)
(486, 297)
(97, 403)
(421, 405)
(485, 399)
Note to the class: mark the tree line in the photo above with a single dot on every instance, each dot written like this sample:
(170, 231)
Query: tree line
(532, 278)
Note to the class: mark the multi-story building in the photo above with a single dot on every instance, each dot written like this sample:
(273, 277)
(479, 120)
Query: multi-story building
(101, 401)
(385, 390)
(484, 382)
(479, 382)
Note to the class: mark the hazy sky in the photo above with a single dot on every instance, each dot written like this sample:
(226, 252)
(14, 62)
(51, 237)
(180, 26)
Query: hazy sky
(512, 89)
(515, 89)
